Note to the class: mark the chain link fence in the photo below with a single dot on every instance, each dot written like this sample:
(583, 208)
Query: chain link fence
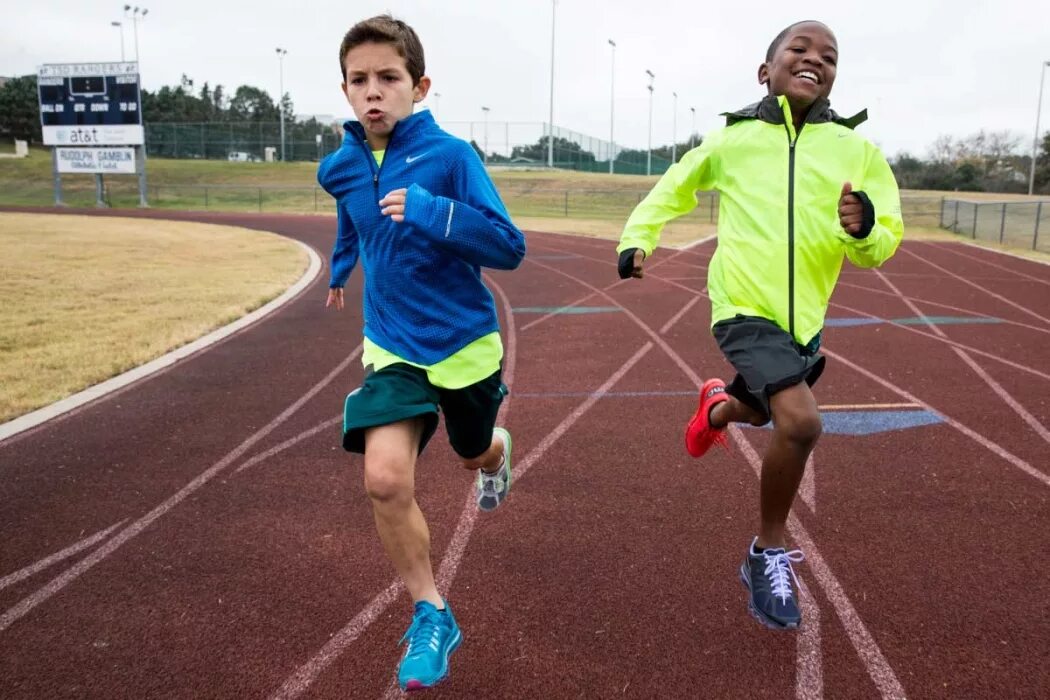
(525, 144)
(245, 141)
(510, 144)
(1013, 223)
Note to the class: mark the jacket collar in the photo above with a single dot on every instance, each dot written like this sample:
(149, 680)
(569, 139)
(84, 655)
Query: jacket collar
(774, 109)
(406, 128)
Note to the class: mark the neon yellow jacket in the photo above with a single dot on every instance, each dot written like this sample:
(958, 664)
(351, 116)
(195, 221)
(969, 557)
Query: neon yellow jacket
(780, 245)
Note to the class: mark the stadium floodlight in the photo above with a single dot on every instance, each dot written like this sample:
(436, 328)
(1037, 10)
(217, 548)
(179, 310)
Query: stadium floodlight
(281, 53)
(674, 128)
(692, 134)
(135, 14)
(649, 153)
(485, 148)
(120, 26)
(1035, 141)
(612, 106)
(550, 137)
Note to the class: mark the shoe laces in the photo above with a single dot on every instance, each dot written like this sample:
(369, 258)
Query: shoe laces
(424, 633)
(780, 572)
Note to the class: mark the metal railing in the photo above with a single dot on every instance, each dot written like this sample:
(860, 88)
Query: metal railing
(598, 204)
(1011, 223)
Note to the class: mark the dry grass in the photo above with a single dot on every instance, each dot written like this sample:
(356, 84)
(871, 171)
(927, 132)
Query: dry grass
(84, 298)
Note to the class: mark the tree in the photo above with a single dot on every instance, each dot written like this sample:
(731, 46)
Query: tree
(1042, 165)
(967, 178)
(289, 108)
(177, 104)
(250, 104)
(564, 150)
(218, 101)
(20, 109)
(983, 161)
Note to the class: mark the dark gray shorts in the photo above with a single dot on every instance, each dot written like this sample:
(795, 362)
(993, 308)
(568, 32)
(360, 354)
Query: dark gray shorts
(766, 358)
(401, 391)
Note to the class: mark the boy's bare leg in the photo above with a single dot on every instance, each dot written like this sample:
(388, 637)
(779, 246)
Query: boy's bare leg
(734, 410)
(489, 461)
(390, 460)
(796, 428)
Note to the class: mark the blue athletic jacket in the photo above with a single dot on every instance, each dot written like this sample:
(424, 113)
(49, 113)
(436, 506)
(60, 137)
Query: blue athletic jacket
(423, 295)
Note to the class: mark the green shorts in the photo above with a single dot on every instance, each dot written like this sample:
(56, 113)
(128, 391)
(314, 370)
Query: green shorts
(401, 391)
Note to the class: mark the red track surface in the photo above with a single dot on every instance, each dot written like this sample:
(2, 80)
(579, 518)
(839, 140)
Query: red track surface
(240, 564)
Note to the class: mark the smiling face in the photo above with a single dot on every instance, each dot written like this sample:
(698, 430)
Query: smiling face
(379, 89)
(801, 66)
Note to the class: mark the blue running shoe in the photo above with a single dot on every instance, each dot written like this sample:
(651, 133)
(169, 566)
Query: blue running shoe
(768, 575)
(432, 637)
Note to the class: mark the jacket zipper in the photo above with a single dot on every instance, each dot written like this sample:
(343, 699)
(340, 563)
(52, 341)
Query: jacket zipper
(372, 160)
(791, 229)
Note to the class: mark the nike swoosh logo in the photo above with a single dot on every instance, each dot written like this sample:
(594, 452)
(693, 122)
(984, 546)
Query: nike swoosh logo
(413, 159)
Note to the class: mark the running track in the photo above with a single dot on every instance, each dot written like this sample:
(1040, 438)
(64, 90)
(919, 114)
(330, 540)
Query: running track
(200, 534)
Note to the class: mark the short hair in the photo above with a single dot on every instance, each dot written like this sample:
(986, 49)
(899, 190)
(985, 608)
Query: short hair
(783, 35)
(384, 29)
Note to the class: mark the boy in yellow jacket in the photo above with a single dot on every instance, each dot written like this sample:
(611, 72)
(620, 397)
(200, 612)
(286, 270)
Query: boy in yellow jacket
(798, 191)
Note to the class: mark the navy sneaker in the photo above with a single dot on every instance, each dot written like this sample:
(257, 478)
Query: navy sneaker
(768, 576)
(432, 637)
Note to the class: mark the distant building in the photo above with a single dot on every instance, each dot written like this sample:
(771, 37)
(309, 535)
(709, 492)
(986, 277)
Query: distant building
(4, 81)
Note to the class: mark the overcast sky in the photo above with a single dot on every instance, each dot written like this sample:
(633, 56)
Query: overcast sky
(922, 67)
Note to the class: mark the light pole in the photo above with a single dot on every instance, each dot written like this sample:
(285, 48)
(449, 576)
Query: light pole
(120, 26)
(612, 106)
(281, 53)
(485, 149)
(674, 128)
(550, 136)
(134, 14)
(649, 153)
(692, 133)
(437, 103)
(1035, 141)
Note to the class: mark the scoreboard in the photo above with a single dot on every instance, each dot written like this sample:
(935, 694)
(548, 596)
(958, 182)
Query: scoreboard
(90, 104)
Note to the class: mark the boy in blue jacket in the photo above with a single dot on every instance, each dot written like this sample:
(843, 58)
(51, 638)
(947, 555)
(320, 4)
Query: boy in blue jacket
(416, 205)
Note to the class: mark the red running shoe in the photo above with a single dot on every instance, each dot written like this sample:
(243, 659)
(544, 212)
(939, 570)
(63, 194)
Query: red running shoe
(699, 435)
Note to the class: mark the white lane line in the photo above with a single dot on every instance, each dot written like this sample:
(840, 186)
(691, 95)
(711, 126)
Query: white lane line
(69, 551)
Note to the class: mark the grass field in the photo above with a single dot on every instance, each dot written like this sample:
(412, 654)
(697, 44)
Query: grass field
(86, 298)
(593, 204)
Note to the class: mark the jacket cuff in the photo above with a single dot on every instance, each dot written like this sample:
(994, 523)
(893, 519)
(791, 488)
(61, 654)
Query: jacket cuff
(867, 218)
(625, 265)
(420, 207)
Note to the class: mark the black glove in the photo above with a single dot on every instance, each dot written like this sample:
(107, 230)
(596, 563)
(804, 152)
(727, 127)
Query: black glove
(867, 215)
(626, 265)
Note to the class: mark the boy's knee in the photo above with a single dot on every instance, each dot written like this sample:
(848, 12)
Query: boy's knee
(803, 428)
(387, 481)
